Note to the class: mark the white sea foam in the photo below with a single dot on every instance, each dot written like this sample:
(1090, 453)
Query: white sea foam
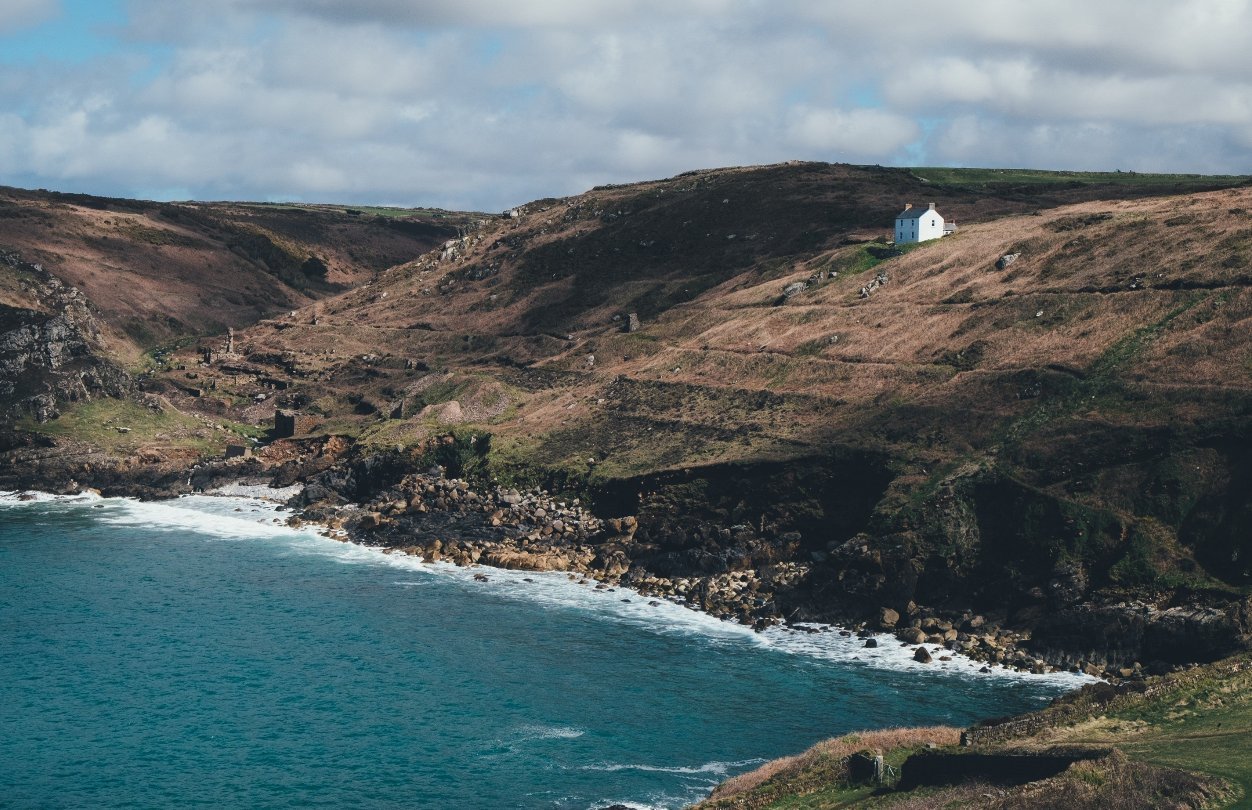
(895, 655)
(235, 518)
(554, 589)
(698, 779)
(540, 732)
(228, 518)
(718, 769)
(668, 805)
(14, 498)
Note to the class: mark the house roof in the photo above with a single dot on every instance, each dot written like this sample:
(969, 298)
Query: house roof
(914, 213)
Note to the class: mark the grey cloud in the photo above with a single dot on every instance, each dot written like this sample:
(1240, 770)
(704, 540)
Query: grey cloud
(18, 14)
(498, 13)
(483, 104)
(1089, 145)
(865, 134)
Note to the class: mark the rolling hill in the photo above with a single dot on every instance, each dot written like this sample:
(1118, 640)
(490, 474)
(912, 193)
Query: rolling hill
(1058, 440)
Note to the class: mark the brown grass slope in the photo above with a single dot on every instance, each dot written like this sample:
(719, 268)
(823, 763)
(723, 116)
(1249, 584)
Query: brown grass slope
(947, 332)
(162, 271)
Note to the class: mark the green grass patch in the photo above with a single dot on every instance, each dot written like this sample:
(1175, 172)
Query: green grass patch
(147, 235)
(1121, 353)
(1035, 177)
(1101, 389)
(862, 258)
(819, 777)
(122, 426)
(1199, 720)
(162, 358)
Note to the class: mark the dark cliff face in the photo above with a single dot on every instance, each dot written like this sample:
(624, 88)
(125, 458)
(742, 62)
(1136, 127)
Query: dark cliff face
(53, 351)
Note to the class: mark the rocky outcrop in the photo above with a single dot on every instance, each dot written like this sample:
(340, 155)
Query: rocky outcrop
(69, 468)
(1145, 635)
(52, 350)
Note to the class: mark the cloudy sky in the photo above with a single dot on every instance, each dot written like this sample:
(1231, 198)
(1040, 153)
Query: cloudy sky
(486, 103)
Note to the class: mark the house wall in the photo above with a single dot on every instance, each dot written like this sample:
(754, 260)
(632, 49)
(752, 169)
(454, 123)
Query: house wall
(928, 226)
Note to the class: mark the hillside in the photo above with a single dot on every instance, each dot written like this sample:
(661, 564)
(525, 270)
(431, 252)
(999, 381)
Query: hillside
(1059, 442)
(160, 271)
(147, 275)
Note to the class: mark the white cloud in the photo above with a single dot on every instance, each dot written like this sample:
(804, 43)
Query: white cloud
(485, 103)
(845, 134)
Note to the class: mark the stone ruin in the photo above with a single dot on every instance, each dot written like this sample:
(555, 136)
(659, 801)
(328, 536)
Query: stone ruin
(289, 423)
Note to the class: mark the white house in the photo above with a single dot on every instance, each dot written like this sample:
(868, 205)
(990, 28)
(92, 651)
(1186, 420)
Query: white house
(918, 224)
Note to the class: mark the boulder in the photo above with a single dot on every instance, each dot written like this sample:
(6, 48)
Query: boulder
(888, 618)
(911, 635)
(922, 656)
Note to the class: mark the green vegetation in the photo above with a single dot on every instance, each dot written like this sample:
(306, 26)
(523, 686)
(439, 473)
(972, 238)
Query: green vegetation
(159, 236)
(861, 258)
(513, 463)
(444, 390)
(161, 357)
(1200, 720)
(819, 777)
(462, 453)
(123, 426)
(388, 211)
(1121, 353)
(1033, 177)
(1181, 740)
(1102, 387)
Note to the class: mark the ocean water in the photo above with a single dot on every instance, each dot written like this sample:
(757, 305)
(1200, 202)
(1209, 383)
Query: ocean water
(194, 652)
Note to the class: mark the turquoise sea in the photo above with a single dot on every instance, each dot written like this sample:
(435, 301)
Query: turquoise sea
(197, 653)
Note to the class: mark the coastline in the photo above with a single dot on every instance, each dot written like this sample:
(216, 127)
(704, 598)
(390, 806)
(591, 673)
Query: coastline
(445, 520)
(587, 588)
(668, 541)
(256, 530)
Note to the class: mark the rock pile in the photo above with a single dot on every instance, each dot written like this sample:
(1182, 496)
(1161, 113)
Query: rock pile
(442, 519)
(535, 531)
(878, 280)
(969, 634)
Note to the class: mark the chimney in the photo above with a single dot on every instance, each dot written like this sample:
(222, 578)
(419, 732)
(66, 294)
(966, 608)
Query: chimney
(932, 206)
(907, 206)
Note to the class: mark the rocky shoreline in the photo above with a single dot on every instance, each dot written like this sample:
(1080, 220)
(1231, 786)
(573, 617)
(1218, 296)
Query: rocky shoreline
(749, 571)
(533, 530)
